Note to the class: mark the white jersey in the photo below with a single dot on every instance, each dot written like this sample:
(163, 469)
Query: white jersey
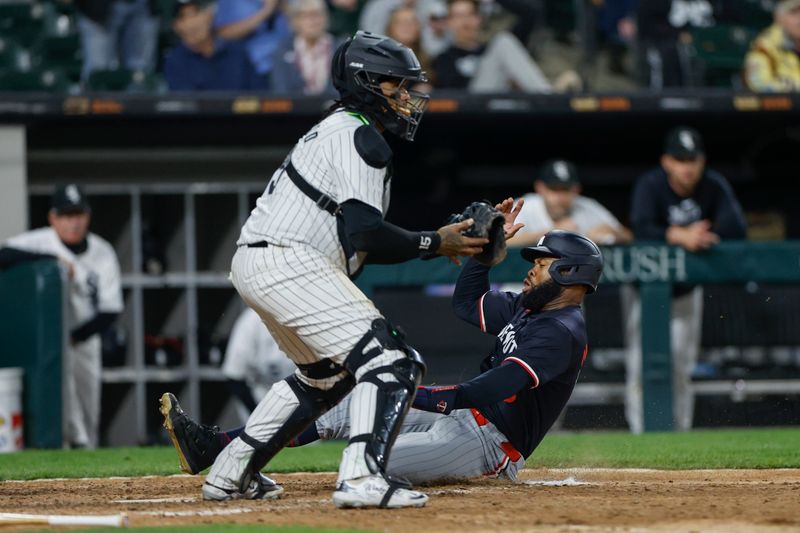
(95, 286)
(326, 157)
(253, 355)
(586, 213)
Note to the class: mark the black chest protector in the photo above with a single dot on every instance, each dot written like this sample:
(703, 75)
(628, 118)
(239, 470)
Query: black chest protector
(375, 152)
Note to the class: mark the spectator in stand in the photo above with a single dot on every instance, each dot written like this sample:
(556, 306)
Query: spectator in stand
(259, 24)
(683, 204)
(302, 63)
(405, 27)
(200, 62)
(117, 33)
(94, 302)
(664, 28)
(501, 65)
(773, 63)
(616, 20)
(430, 13)
(558, 204)
(436, 31)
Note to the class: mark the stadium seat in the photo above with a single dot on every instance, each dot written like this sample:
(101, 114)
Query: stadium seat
(719, 52)
(755, 14)
(23, 21)
(62, 7)
(62, 52)
(121, 80)
(51, 81)
(13, 56)
(560, 16)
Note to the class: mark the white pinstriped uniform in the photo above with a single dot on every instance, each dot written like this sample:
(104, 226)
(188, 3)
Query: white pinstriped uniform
(94, 288)
(433, 446)
(327, 158)
(299, 285)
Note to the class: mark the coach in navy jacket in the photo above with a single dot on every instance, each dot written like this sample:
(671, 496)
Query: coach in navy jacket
(684, 204)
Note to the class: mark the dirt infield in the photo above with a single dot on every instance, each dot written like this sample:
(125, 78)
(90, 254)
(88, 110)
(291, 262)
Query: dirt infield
(729, 501)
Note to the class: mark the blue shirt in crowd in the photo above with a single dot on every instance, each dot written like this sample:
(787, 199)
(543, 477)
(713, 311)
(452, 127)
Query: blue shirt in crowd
(263, 42)
(228, 69)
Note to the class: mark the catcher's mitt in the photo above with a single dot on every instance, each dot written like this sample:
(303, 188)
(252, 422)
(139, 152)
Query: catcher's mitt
(488, 224)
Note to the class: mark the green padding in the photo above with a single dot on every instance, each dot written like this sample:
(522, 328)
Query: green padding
(656, 356)
(730, 261)
(31, 338)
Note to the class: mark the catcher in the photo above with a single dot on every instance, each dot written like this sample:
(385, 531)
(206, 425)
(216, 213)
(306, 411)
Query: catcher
(492, 423)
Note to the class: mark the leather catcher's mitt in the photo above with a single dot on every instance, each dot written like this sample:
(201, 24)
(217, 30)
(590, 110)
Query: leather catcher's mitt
(488, 224)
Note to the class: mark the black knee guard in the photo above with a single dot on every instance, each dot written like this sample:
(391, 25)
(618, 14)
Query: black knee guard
(394, 397)
(313, 402)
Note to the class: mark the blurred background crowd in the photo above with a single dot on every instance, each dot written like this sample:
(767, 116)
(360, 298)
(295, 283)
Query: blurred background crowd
(284, 47)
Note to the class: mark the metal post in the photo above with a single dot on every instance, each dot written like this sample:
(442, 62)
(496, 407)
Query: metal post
(137, 300)
(192, 357)
(656, 301)
(14, 200)
(243, 205)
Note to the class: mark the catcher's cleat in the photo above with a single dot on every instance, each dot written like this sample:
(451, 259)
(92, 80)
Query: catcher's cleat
(197, 444)
(375, 491)
(260, 488)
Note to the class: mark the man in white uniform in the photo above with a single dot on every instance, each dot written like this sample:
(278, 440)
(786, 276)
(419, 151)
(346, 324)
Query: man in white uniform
(253, 361)
(318, 221)
(95, 299)
(558, 204)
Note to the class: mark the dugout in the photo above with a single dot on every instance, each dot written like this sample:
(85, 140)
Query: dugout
(171, 178)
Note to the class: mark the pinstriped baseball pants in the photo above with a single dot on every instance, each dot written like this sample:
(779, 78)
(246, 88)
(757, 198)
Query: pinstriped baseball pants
(310, 306)
(432, 446)
(314, 312)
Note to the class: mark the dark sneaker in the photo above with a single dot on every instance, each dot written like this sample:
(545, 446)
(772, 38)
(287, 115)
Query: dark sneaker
(197, 444)
(260, 488)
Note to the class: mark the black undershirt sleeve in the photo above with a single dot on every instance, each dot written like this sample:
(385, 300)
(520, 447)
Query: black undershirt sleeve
(384, 242)
(492, 386)
(95, 325)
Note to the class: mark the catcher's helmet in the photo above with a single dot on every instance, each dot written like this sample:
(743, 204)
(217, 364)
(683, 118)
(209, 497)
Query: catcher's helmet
(578, 259)
(359, 66)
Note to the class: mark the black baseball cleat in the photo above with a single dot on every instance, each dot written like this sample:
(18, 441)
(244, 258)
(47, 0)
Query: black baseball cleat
(197, 444)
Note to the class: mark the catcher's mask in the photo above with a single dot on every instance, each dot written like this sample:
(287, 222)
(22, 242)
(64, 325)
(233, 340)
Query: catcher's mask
(578, 259)
(365, 60)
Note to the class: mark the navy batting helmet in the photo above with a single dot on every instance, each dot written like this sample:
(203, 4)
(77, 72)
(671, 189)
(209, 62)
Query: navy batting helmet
(578, 259)
(365, 60)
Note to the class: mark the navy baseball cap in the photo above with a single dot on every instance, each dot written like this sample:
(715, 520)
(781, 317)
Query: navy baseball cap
(684, 143)
(69, 199)
(559, 174)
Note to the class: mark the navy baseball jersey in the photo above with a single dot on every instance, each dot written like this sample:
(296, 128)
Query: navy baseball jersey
(532, 370)
(655, 206)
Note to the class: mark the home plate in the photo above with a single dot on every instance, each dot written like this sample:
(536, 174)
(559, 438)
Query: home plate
(569, 482)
